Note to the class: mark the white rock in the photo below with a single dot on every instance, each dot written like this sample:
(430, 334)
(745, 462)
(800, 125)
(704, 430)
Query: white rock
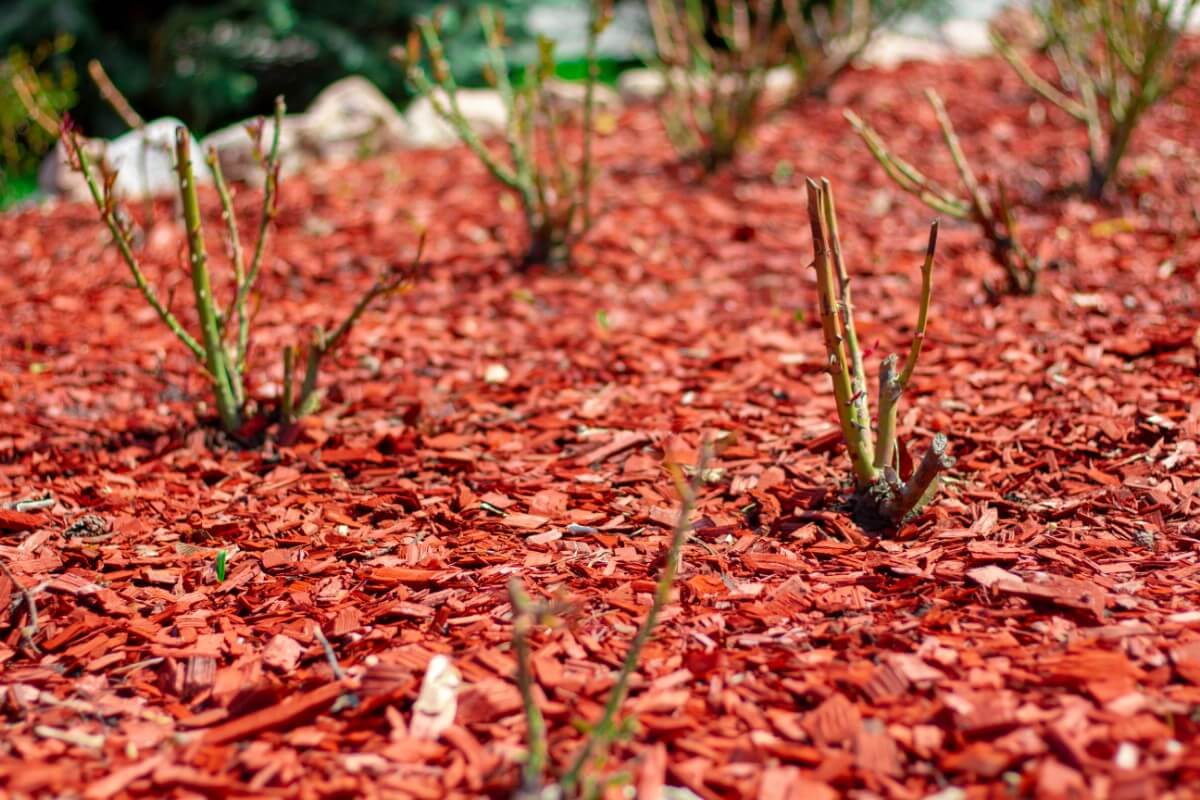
(145, 161)
(569, 95)
(145, 165)
(641, 85)
(351, 118)
(888, 50)
(482, 108)
(779, 84)
(967, 37)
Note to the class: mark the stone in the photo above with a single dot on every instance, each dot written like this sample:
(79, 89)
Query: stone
(145, 161)
(967, 37)
(567, 96)
(641, 85)
(889, 50)
(349, 119)
(482, 108)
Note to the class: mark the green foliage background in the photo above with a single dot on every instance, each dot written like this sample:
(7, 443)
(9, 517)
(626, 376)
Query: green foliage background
(51, 79)
(214, 62)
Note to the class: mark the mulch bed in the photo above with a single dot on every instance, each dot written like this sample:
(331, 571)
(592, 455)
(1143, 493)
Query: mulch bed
(1035, 632)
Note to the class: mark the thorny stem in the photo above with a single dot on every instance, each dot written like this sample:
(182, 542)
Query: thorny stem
(523, 620)
(1043, 87)
(906, 176)
(112, 95)
(521, 153)
(914, 351)
(982, 207)
(853, 427)
(235, 256)
(601, 736)
(269, 209)
(222, 373)
(891, 385)
(1114, 51)
(1000, 232)
(880, 495)
(450, 111)
(885, 426)
(556, 201)
(858, 374)
(713, 104)
(106, 205)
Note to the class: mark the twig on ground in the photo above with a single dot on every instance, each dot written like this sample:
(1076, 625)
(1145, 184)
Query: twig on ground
(330, 656)
(30, 630)
(34, 503)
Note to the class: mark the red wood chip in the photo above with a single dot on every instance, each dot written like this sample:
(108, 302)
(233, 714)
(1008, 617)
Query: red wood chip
(834, 721)
(19, 521)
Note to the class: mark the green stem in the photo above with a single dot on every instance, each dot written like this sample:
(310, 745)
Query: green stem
(858, 373)
(1036, 82)
(535, 763)
(323, 345)
(269, 210)
(605, 730)
(106, 205)
(215, 357)
(856, 435)
(235, 256)
(965, 173)
(597, 23)
(889, 398)
(891, 385)
(914, 351)
(906, 176)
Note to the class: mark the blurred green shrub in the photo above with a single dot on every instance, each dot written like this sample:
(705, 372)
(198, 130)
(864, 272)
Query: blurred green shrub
(51, 79)
(214, 62)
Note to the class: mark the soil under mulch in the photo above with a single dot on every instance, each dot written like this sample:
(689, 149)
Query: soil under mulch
(1035, 632)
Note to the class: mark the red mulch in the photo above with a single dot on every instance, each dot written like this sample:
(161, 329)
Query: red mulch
(1036, 632)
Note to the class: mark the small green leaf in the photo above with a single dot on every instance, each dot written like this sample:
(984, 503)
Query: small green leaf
(602, 318)
(783, 172)
(221, 566)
